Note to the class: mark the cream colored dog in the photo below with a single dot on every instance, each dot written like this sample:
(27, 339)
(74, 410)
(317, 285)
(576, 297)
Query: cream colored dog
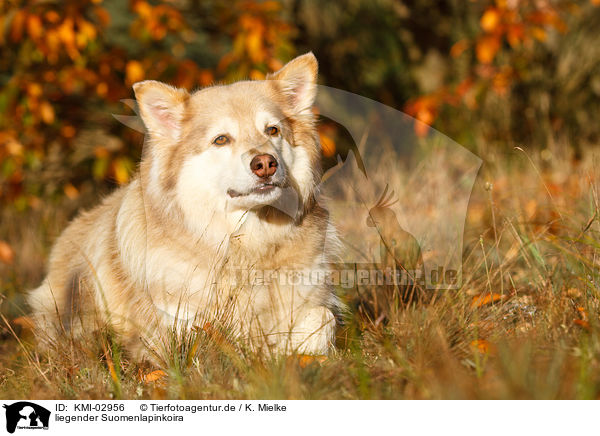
(222, 210)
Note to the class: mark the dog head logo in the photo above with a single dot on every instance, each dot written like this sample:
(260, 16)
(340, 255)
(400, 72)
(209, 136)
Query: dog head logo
(26, 415)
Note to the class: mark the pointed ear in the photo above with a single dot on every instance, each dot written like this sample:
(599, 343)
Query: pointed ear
(297, 79)
(161, 107)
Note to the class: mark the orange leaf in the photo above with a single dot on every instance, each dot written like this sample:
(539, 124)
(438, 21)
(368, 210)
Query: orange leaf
(257, 75)
(111, 368)
(486, 48)
(134, 72)
(34, 89)
(213, 333)
(25, 322)
(66, 32)
(254, 46)
(87, 32)
(103, 16)
(531, 208)
(143, 9)
(305, 360)
(14, 147)
(53, 42)
(459, 47)
(68, 131)
(327, 144)
(539, 33)
(7, 254)
(102, 89)
(121, 171)
(71, 191)
(47, 112)
(34, 26)
(16, 28)
(426, 115)
(490, 20)
(480, 345)
(52, 17)
(205, 77)
(421, 129)
(582, 323)
(515, 34)
(154, 376)
(582, 312)
(482, 300)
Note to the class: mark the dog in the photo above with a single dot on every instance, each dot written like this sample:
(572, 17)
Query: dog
(225, 192)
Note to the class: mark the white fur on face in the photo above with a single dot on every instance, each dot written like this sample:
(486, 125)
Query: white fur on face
(225, 125)
(206, 178)
(264, 119)
(202, 197)
(295, 159)
(301, 169)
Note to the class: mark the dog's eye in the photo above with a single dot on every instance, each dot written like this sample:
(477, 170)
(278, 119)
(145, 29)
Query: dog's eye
(221, 140)
(272, 131)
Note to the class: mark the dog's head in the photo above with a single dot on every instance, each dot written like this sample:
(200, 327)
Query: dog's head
(238, 147)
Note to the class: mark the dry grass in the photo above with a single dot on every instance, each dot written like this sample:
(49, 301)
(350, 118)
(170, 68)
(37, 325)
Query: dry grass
(524, 325)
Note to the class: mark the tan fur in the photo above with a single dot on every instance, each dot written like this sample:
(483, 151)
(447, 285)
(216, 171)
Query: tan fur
(171, 246)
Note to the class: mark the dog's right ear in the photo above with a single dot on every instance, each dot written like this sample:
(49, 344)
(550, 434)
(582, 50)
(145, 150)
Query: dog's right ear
(161, 107)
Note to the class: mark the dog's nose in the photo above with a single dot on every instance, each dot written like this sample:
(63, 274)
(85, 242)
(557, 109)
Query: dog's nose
(263, 165)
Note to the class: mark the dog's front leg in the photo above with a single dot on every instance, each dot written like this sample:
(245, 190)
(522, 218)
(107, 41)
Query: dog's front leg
(313, 331)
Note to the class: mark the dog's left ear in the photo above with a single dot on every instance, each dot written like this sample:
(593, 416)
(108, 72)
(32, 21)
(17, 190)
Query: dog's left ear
(161, 107)
(297, 79)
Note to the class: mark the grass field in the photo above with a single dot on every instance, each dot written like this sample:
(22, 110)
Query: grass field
(525, 323)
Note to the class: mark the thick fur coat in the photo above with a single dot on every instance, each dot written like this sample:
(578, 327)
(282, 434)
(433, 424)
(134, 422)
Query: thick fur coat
(220, 225)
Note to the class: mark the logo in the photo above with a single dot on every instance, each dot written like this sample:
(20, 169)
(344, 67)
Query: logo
(26, 415)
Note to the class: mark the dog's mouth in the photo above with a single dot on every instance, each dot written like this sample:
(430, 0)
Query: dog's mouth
(263, 188)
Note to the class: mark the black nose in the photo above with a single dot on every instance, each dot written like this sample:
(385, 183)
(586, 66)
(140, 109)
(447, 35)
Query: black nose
(263, 165)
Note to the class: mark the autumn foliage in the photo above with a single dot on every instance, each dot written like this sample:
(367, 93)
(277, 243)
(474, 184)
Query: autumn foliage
(65, 67)
(507, 73)
(499, 61)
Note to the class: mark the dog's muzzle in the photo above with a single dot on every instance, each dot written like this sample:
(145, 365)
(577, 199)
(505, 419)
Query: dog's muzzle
(263, 188)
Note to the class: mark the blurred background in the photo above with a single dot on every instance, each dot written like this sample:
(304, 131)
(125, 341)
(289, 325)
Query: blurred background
(489, 74)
